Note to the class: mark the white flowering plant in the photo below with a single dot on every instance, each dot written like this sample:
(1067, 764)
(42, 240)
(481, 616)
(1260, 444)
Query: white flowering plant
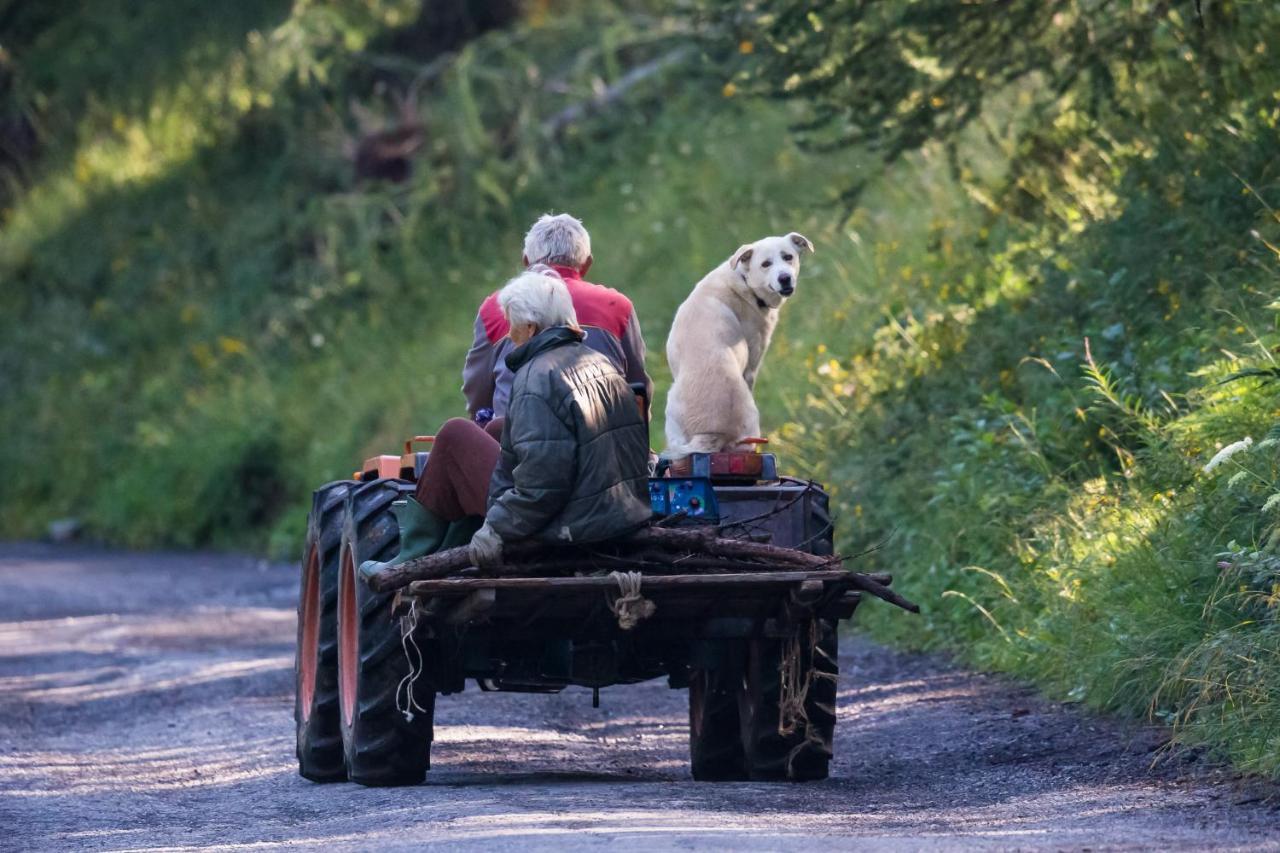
(1249, 473)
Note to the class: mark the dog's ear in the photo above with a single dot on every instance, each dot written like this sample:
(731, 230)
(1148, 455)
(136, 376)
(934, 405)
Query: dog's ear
(801, 242)
(742, 256)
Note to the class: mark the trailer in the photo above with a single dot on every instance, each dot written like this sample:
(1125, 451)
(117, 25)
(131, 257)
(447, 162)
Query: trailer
(749, 628)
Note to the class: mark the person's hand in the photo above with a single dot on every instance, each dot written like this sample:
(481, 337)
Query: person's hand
(486, 548)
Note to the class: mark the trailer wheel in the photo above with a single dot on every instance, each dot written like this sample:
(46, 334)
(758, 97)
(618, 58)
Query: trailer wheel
(715, 740)
(381, 746)
(315, 710)
(805, 753)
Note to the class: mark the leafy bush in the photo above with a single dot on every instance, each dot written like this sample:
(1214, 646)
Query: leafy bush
(1026, 428)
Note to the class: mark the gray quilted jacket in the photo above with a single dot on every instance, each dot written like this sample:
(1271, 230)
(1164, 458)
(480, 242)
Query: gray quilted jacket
(575, 449)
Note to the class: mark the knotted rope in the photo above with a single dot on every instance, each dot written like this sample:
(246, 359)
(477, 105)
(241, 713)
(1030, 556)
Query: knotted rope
(630, 607)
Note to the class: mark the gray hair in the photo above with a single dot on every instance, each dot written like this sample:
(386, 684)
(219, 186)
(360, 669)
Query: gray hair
(557, 239)
(538, 298)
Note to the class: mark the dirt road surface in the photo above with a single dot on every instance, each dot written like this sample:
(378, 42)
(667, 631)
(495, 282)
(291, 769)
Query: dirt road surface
(146, 703)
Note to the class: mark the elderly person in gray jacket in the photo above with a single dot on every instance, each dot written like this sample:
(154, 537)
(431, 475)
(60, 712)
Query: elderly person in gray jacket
(572, 462)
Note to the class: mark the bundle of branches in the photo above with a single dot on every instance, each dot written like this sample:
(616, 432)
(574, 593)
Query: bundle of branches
(653, 550)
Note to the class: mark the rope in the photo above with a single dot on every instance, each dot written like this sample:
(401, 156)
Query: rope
(408, 626)
(794, 679)
(630, 607)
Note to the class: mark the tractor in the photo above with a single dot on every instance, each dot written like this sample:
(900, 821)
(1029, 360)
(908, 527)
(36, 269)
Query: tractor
(756, 651)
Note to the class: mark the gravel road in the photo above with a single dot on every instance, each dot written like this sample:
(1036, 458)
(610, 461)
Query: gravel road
(146, 703)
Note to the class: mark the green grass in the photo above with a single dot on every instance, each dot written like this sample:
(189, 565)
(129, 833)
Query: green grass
(204, 317)
(1045, 499)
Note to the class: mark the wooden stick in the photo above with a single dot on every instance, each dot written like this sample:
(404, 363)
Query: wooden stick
(703, 539)
(574, 562)
(657, 544)
(868, 584)
(441, 586)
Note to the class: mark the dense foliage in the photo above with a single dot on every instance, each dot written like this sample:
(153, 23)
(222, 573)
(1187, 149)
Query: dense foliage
(1031, 429)
(1038, 329)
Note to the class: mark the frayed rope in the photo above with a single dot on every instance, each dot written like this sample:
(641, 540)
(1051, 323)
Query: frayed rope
(797, 670)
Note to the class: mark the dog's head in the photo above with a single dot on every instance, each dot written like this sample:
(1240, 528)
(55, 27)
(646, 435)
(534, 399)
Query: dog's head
(770, 268)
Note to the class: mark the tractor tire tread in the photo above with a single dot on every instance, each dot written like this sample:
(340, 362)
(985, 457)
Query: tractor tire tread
(715, 745)
(382, 747)
(319, 736)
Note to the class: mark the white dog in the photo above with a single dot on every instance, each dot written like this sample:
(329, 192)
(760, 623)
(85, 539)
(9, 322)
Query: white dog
(718, 340)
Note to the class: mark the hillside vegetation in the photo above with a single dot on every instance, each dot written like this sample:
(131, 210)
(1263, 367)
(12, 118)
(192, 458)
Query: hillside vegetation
(1033, 356)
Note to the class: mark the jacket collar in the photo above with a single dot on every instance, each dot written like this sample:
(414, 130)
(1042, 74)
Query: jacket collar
(567, 273)
(547, 339)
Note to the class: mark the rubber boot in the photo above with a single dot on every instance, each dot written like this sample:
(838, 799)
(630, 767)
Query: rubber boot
(422, 532)
(461, 531)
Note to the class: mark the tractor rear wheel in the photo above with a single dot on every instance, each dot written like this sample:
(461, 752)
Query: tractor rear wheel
(803, 752)
(382, 745)
(316, 665)
(715, 740)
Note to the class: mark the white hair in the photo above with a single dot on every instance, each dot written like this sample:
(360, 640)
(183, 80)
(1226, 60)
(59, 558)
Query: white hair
(557, 239)
(539, 298)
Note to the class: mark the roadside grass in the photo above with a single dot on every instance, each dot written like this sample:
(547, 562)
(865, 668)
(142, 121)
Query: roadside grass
(1027, 434)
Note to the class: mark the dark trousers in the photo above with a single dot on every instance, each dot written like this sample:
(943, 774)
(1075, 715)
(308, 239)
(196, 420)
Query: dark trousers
(455, 481)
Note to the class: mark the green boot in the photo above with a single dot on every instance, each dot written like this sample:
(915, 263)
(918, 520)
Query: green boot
(422, 532)
(461, 531)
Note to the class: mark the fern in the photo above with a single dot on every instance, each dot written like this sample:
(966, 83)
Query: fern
(1100, 379)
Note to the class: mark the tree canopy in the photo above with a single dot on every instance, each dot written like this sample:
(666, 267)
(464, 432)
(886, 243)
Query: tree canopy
(892, 77)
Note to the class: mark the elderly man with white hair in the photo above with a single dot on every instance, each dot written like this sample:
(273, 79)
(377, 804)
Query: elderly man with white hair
(606, 317)
(572, 462)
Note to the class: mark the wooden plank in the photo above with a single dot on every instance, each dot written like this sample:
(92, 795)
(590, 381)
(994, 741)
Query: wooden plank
(578, 610)
(445, 586)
